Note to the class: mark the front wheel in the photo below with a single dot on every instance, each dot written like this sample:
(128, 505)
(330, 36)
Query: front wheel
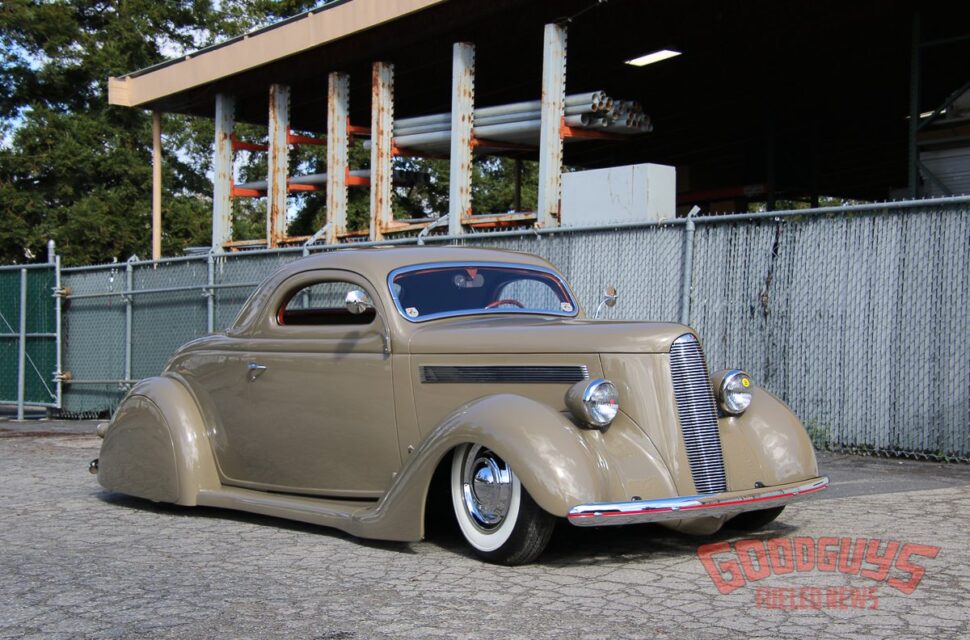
(497, 516)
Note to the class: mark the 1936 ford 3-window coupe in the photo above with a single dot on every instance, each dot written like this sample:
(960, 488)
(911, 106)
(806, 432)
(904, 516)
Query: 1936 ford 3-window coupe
(350, 377)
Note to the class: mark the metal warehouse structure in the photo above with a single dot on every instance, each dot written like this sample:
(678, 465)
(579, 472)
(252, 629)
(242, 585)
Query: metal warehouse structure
(768, 100)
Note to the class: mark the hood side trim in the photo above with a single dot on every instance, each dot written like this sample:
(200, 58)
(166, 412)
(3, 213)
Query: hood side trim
(432, 374)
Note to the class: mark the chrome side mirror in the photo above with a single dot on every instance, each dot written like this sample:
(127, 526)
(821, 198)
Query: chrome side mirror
(609, 300)
(357, 302)
(610, 296)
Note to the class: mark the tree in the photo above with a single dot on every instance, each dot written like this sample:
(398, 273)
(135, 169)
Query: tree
(73, 168)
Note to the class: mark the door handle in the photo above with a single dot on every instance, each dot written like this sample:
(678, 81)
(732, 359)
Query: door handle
(255, 369)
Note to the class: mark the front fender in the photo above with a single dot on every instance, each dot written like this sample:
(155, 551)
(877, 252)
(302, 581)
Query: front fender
(550, 455)
(767, 445)
(556, 461)
(156, 446)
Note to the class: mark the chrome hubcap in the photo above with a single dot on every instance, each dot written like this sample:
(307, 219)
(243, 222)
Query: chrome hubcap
(487, 487)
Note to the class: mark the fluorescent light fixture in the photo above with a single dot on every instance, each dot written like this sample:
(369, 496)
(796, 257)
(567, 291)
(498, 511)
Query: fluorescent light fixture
(656, 56)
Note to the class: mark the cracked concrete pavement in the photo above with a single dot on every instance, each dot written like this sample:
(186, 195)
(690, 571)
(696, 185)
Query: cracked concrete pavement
(80, 562)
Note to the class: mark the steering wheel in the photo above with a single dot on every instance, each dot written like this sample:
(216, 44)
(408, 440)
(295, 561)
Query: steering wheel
(497, 303)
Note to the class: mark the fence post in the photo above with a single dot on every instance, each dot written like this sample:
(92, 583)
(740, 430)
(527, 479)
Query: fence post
(59, 346)
(129, 281)
(22, 345)
(688, 270)
(210, 302)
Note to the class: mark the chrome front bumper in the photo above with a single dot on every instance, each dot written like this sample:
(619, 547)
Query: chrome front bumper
(699, 506)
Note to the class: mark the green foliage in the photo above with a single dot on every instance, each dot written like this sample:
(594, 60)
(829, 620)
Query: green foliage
(493, 185)
(75, 169)
(820, 434)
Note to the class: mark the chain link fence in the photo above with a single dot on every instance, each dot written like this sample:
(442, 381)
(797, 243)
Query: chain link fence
(857, 317)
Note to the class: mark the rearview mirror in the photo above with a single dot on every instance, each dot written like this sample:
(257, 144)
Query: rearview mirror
(357, 302)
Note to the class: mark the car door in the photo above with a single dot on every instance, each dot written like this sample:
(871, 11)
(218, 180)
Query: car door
(317, 408)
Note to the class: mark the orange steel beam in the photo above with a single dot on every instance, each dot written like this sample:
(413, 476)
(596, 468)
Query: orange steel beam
(409, 153)
(566, 131)
(360, 233)
(483, 221)
(494, 224)
(357, 130)
(237, 192)
(293, 138)
(355, 181)
(238, 145)
(303, 187)
(500, 146)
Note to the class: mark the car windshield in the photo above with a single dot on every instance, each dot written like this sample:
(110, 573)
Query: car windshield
(425, 292)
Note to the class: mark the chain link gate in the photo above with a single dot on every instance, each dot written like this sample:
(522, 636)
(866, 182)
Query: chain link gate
(30, 336)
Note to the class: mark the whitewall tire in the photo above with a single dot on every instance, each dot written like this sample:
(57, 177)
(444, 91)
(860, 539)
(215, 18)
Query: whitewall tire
(496, 515)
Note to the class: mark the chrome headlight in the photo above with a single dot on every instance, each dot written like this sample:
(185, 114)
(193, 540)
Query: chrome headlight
(734, 393)
(595, 402)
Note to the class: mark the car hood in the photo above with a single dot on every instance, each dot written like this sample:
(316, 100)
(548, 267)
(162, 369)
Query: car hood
(539, 334)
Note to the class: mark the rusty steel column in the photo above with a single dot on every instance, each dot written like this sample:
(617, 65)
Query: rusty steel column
(462, 116)
(550, 138)
(156, 185)
(338, 111)
(278, 163)
(382, 130)
(222, 172)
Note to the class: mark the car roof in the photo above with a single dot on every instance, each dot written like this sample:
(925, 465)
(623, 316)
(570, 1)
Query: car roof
(375, 263)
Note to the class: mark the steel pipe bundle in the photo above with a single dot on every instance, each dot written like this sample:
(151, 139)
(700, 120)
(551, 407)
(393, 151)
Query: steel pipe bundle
(402, 178)
(518, 122)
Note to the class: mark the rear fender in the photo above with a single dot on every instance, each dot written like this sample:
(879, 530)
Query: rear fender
(156, 445)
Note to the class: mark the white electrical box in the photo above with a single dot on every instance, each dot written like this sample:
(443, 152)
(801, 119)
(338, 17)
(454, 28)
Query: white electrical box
(629, 194)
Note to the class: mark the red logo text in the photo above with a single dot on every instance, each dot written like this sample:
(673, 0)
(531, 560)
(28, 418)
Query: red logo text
(896, 564)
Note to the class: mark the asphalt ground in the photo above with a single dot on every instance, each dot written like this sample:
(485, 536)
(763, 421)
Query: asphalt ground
(887, 542)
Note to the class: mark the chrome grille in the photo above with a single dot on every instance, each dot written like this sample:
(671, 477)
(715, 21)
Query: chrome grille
(698, 415)
(465, 374)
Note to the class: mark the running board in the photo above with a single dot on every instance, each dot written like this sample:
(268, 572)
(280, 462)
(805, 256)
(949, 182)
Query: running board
(350, 516)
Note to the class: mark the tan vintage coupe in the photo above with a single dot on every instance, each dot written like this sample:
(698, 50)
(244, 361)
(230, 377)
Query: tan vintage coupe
(349, 378)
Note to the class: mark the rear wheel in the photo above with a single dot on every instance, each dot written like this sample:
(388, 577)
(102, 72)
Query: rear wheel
(497, 516)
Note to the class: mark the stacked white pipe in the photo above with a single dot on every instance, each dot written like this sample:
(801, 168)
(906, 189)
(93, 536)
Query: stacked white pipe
(518, 122)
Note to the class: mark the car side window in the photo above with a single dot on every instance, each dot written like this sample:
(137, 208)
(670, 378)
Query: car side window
(322, 303)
